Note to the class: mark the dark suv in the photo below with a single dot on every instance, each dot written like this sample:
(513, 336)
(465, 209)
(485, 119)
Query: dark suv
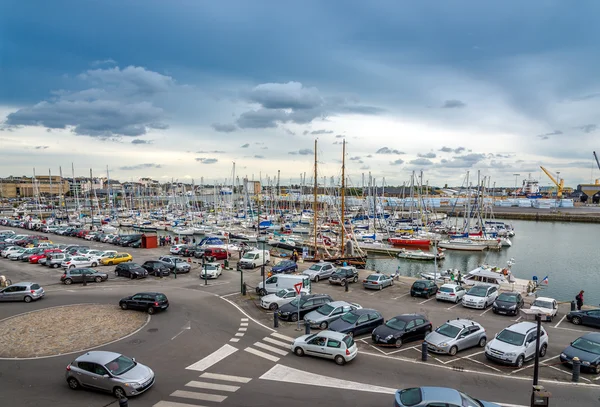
(423, 288)
(308, 303)
(149, 302)
(344, 274)
(156, 268)
(127, 239)
(77, 276)
(131, 270)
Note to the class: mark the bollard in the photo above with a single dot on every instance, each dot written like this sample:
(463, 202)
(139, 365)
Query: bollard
(573, 306)
(175, 273)
(424, 351)
(123, 402)
(346, 285)
(84, 280)
(244, 289)
(275, 320)
(226, 263)
(306, 328)
(576, 369)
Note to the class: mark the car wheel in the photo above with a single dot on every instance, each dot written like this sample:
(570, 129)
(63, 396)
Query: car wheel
(543, 351)
(262, 291)
(412, 295)
(427, 295)
(68, 281)
(316, 279)
(343, 282)
(520, 361)
(299, 351)
(110, 263)
(380, 287)
(453, 350)
(294, 317)
(73, 383)
(27, 299)
(355, 279)
(119, 393)
(123, 305)
(398, 342)
(116, 273)
(94, 264)
(98, 279)
(323, 325)
(150, 310)
(273, 307)
(482, 342)
(131, 276)
(391, 282)
(576, 320)
(55, 266)
(339, 359)
(71, 267)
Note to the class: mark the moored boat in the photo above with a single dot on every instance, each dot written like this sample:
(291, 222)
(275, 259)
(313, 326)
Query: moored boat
(409, 241)
(462, 244)
(420, 255)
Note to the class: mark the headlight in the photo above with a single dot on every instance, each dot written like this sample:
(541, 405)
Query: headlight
(134, 385)
(443, 344)
(513, 307)
(495, 304)
(510, 354)
(585, 363)
(387, 338)
(481, 301)
(562, 355)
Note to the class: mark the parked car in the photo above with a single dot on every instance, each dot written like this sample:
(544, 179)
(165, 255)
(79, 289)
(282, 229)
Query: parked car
(357, 322)
(9, 250)
(281, 297)
(344, 274)
(216, 253)
(515, 344)
(284, 267)
(587, 349)
(320, 271)
(136, 244)
(308, 303)
(188, 250)
(149, 302)
(401, 329)
(131, 270)
(585, 317)
(423, 288)
(116, 259)
(508, 303)
(176, 248)
(378, 281)
(54, 260)
(172, 261)
(450, 292)
(126, 240)
(480, 296)
(25, 291)
(326, 344)
(77, 261)
(76, 275)
(35, 259)
(16, 254)
(437, 396)
(322, 316)
(30, 252)
(110, 372)
(210, 270)
(456, 335)
(546, 306)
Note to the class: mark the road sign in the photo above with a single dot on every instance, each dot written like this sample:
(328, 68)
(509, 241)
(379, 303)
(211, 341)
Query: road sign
(298, 287)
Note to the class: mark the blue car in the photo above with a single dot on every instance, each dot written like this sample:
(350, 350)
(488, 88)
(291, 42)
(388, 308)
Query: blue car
(587, 349)
(438, 396)
(285, 267)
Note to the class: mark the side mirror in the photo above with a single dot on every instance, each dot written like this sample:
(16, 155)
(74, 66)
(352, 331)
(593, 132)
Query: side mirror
(133, 359)
(106, 376)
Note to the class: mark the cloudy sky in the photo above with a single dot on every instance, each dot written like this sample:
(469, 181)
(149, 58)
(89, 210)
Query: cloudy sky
(182, 89)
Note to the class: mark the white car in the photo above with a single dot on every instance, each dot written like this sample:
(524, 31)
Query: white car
(450, 292)
(10, 249)
(546, 306)
(90, 236)
(108, 253)
(515, 344)
(94, 255)
(326, 344)
(14, 238)
(78, 262)
(107, 238)
(480, 297)
(211, 270)
(176, 248)
(14, 255)
(274, 301)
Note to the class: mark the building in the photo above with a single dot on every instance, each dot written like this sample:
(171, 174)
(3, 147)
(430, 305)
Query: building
(26, 187)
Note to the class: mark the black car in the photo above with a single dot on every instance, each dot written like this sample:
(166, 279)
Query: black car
(423, 288)
(127, 239)
(131, 270)
(587, 349)
(149, 302)
(401, 329)
(136, 244)
(508, 304)
(343, 274)
(357, 322)
(589, 317)
(308, 303)
(189, 251)
(156, 268)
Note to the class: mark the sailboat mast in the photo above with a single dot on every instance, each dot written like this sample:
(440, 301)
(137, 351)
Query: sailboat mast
(316, 184)
(343, 231)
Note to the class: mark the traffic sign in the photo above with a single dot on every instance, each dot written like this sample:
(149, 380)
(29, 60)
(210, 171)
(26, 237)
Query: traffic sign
(298, 287)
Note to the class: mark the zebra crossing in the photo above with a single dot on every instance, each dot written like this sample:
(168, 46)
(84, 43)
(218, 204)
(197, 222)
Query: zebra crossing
(211, 388)
(272, 347)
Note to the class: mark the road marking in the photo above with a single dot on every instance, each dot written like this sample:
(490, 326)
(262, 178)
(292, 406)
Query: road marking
(271, 348)
(400, 296)
(518, 319)
(243, 324)
(213, 386)
(559, 322)
(484, 364)
(280, 373)
(248, 316)
(463, 357)
(276, 342)
(242, 329)
(174, 404)
(239, 334)
(570, 329)
(423, 302)
(483, 313)
(187, 326)
(596, 378)
(280, 336)
(234, 340)
(198, 396)
(455, 305)
(244, 319)
(226, 377)
(213, 358)
(262, 354)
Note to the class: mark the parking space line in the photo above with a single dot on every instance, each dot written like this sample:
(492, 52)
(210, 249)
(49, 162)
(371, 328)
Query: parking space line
(517, 320)
(596, 378)
(569, 329)
(568, 373)
(559, 322)
(454, 306)
(464, 357)
(400, 296)
(376, 348)
(485, 311)
(485, 364)
(423, 302)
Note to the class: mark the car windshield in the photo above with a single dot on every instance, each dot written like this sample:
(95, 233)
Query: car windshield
(411, 397)
(350, 318)
(419, 285)
(508, 297)
(348, 341)
(325, 309)
(281, 293)
(294, 302)
(586, 345)
(120, 365)
(542, 304)
(468, 401)
(446, 289)
(286, 263)
(395, 323)
(448, 330)
(161, 297)
(478, 291)
(315, 267)
(373, 277)
(511, 337)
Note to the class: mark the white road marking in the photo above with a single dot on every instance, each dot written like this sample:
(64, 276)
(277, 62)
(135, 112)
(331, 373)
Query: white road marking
(271, 348)
(226, 377)
(463, 357)
(262, 354)
(559, 322)
(174, 404)
(242, 329)
(213, 358)
(187, 326)
(280, 336)
(484, 364)
(213, 386)
(234, 340)
(198, 396)
(569, 329)
(483, 313)
(243, 324)
(239, 334)
(455, 305)
(230, 294)
(244, 319)
(400, 296)
(276, 342)
(423, 302)
(596, 378)
(248, 316)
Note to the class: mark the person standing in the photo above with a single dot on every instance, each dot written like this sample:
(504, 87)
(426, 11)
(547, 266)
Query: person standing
(579, 299)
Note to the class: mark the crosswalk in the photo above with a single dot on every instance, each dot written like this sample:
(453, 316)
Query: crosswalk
(272, 347)
(211, 388)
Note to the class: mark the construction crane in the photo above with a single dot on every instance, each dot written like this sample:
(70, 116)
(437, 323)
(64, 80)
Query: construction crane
(596, 157)
(560, 184)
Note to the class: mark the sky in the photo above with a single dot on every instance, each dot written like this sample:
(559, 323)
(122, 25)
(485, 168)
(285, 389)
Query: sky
(182, 90)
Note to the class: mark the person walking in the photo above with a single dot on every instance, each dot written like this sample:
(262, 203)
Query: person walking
(579, 299)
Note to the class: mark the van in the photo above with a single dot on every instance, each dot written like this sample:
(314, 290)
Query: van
(282, 281)
(254, 259)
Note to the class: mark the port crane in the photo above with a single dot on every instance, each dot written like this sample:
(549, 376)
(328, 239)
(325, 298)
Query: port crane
(597, 161)
(560, 184)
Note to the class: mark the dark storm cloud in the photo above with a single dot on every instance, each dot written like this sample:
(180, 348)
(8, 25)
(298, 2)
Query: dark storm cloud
(453, 104)
(139, 167)
(224, 128)
(387, 150)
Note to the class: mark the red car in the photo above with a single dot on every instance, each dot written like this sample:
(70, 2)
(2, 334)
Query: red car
(36, 257)
(82, 233)
(215, 253)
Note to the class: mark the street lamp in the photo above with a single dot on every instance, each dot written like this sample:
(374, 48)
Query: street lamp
(516, 175)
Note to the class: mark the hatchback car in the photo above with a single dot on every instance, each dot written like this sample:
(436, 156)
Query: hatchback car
(450, 292)
(327, 344)
(210, 270)
(437, 396)
(116, 259)
(401, 329)
(76, 275)
(25, 292)
(515, 344)
(357, 322)
(176, 248)
(480, 296)
(589, 317)
(285, 267)
(153, 267)
(171, 262)
(455, 335)
(77, 261)
(215, 253)
(378, 281)
(508, 303)
(302, 305)
(110, 372)
(149, 302)
(587, 349)
(344, 274)
(322, 316)
(131, 270)
(546, 306)
(320, 271)
(423, 288)
(281, 297)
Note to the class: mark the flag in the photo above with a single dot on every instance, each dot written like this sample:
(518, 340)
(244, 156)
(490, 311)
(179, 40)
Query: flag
(545, 280)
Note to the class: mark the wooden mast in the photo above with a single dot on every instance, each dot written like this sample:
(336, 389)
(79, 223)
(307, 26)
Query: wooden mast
(316, 185)
(343, 231)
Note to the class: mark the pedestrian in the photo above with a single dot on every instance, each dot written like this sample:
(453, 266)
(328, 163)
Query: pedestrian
(459, 278)
(176, 239)
(579, 299)
(194, 240)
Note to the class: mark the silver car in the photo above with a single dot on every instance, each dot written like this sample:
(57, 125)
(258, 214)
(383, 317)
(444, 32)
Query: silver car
(455, 335)
(378, 281)
(173, 261)
(327, 344)
(319, 271)
(26, 292)
(110, 372)
(322, 316)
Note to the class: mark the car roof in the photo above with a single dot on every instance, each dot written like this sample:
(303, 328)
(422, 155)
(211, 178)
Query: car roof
(339, 303)
(441, 394)
(522, 327)
(23, 283)
(462, 322)
(448, 285)
(101, 357)
(409, 317)
(545, 299)
(376, 274)
(362, 311)
(149, 293)
(594, 336)
(332, 334)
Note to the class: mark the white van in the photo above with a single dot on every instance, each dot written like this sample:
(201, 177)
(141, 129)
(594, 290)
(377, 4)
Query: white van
(281, 281)
(255, 258)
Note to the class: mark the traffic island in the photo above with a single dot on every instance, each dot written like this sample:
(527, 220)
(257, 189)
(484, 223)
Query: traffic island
(66, 329)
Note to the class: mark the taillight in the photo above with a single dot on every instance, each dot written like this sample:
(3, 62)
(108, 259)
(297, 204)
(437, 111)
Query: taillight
(64, 275)
(375, 282)
(364, 281)
(68, 262)
(452, 295)
(68, 368)
(347, 352)
(156, 304)
(32, 291)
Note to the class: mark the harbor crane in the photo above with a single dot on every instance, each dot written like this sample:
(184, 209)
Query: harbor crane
(597, 161)
(560, 184)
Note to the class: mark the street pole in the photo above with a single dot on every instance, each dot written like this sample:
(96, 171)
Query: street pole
(516, 175)
(204, 270)
(536, 366)
(262, 267)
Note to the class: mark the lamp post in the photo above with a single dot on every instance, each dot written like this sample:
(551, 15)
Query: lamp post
(516, 175)
(204, 270)
(262, 267)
